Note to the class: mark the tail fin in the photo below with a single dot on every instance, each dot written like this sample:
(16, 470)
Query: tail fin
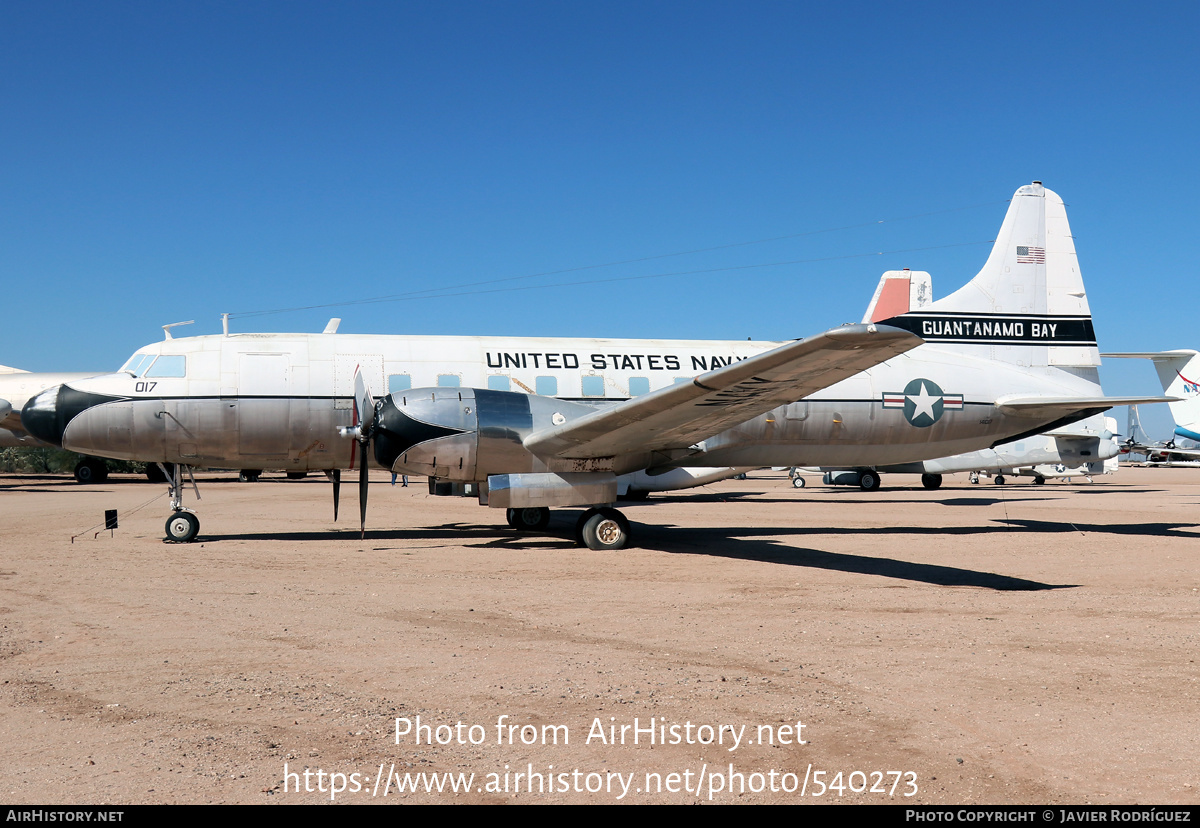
(1136, 434)
(1179, 373)
(899, 291)
(1027, 305)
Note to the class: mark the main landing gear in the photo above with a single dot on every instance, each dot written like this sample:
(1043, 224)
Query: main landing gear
(91, 470)
(601, 528)
(182, 525)
(528, 520)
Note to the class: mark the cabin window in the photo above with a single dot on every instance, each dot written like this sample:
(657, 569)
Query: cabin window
(547, 386)
(593, 386)
(638, 386)
(449, 380)
(499, 382)
(168, 365)
(399, 382)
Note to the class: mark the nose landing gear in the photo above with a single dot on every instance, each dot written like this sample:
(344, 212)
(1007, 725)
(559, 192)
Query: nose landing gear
(182, 525)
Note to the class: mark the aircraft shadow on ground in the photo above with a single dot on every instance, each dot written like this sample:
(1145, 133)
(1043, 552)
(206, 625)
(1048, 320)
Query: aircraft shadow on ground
(737, 543)
(1154, 530)
(734, 543)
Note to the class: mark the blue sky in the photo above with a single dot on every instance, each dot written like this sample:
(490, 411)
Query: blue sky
(172, 161)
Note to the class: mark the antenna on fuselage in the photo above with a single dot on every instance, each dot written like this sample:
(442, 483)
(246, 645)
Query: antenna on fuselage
(167, 328)
(225, 324)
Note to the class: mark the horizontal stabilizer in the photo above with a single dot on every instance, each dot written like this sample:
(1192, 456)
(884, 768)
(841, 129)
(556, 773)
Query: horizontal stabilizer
(1051, 407)
(678, 416)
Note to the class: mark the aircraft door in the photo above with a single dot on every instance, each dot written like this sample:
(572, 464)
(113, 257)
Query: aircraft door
(264, 405)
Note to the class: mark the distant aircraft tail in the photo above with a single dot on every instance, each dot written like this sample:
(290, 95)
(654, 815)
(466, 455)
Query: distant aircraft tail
(1179, 373)
(1027, 305)
(1134, 432)
(899, 291)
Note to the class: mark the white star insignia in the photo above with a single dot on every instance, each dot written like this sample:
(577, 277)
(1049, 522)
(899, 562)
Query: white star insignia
(924, 403)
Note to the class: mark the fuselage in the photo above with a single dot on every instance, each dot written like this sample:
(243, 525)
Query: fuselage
(278, 400)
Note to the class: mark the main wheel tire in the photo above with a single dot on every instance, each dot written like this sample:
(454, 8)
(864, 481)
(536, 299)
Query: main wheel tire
(249, 475)
(297, 475)
(868, 481)
(636, 495)
(533, 519)
(182, 527)
(1039, 481)
(999, 480)
(931, 481)
(797, 482)
(91, 470)
(604, 529)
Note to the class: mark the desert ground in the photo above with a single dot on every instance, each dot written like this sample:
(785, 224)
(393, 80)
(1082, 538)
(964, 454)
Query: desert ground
(975, 644)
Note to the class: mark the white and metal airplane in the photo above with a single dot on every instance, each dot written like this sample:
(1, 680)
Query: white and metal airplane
(541, 423)
(1179, 373)
(18, 387)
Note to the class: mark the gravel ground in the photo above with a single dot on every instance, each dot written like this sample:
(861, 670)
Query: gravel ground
(975, 644)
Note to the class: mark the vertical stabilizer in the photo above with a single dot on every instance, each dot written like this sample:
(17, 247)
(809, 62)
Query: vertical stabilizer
(1136, 434)
(899, 291)
(1027, 305)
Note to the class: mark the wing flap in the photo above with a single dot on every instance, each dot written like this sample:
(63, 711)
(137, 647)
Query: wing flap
(678, 416)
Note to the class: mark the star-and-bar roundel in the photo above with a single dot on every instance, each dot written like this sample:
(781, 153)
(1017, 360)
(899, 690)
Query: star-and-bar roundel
(923, 402)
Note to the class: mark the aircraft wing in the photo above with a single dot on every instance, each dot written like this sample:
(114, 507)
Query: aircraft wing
(681, 415)
(1051, 407)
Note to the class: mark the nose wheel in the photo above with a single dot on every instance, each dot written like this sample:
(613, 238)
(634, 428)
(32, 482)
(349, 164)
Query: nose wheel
(182, 527)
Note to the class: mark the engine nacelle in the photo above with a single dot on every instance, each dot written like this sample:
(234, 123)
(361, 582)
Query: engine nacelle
(465, 434)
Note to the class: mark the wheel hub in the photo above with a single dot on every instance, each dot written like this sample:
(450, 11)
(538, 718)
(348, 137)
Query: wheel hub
(608, 531)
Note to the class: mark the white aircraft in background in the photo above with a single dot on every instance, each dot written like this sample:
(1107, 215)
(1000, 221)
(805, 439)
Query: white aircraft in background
(539, 423)
(18, 387)
(1081, 449)
(1179, 373)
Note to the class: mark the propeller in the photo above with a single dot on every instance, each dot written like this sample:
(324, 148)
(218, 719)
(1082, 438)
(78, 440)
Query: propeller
(335, 477)
(364, 417)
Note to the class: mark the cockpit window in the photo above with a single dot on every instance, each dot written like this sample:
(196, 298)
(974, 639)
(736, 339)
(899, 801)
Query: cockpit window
(138, 363)
(168, 365)
(153, 365)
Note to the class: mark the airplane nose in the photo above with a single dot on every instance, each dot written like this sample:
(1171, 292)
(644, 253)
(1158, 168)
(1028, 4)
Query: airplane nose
(47, 415)
(42, 417)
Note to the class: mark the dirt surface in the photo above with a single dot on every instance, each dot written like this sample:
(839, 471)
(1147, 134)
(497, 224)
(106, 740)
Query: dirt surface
(981, 643)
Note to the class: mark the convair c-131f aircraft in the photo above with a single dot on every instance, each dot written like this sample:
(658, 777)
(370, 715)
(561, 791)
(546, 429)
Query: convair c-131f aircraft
(540, 423)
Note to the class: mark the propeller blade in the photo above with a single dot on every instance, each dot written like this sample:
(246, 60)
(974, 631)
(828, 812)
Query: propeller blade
(362, 492)
(365, 403)
(336, 477)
